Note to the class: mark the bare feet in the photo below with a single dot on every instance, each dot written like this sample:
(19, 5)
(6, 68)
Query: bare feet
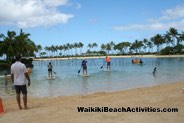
(20, 108)
(25, 108)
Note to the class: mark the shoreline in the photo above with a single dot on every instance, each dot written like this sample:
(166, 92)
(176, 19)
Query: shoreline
(64, 108)
(123, 56)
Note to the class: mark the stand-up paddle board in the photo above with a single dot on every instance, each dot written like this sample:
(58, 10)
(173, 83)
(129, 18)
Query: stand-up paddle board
(107, 70)
(51, 78)
(86, 75)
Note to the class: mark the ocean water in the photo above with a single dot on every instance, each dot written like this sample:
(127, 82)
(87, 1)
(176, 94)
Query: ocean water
(123, 75)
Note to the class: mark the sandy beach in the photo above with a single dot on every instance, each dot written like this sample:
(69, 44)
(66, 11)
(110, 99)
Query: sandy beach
(63, 109)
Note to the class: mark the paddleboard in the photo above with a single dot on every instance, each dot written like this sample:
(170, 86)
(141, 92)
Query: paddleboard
(87, 75)
(51, 78)
(106, 70)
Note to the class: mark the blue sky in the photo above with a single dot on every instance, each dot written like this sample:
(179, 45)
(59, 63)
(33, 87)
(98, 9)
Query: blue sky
(57, 22)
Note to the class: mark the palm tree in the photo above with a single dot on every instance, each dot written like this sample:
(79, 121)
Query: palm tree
(65, 48)
(53, 49)
(112, 45)
(89, 46)
(81, 46)
(150, 45)
(174, 35)
(103, 47)
(39, 48)
(157, 40)
(108, 47)
(167, 39)
(20, 44)
(68, 47)
(181, 37)
(56, 49)
(119, 47)
(76, 46)
(26, 46)
(136, 46)
(94, 45)
(2, 37)
(8, 46)
(71, 46)
(47, 50)
(122, 47)
(145, 42)
(60, 48)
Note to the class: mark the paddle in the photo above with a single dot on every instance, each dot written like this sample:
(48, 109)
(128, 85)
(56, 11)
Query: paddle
(102, 65)
(53, 72)
(79, 70)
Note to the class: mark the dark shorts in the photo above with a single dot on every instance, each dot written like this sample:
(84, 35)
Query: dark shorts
(21, 88)
(6, 83)
(49, 70)
(108, 63)
(85, 68)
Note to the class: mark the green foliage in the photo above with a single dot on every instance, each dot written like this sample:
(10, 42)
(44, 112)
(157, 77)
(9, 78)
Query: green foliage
(26, 61)
(4, 67)
(137, 45)
(178, 48)
(167, 50)
(102, 53)
(122, 47)
(14, 44)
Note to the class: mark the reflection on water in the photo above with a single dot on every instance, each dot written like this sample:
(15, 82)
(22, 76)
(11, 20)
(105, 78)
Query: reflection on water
(124, 75)
(6, 91)
(85, 85)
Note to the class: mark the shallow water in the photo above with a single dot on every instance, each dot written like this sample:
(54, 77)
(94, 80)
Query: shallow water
(123, 75)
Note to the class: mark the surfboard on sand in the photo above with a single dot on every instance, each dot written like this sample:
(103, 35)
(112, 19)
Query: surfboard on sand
(50, 78)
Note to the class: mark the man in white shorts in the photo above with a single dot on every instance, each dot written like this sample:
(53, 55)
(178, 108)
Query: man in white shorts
(19, 76)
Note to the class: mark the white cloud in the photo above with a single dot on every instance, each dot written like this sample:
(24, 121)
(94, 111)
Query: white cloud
(152, 26)
(74, 5)
(32, 13)
(175, 13)
(55, 2)
(170, 18)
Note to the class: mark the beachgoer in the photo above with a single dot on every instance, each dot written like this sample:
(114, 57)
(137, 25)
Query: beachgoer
(49, 69)
(84, 66)
(19, 76)
(29, 71)
(141, 61)
(132, 61)
(108, 60)
(5, 79)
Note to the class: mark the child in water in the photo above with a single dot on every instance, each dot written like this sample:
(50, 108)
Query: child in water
(5, 79)
(154, 70)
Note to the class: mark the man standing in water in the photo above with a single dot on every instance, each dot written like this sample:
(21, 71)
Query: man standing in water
(19, 76)
(84, 66)
(50, 69)
(108, 60)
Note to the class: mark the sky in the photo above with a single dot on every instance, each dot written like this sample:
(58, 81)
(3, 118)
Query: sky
(57, 22)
